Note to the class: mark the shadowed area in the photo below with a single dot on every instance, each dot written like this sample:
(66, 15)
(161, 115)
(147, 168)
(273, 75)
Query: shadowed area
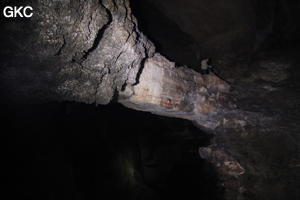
(71, 150)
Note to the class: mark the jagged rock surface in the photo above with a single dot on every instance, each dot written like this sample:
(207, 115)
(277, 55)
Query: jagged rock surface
(92, 57)
(82, 51)
(207, 100)
(175, 91)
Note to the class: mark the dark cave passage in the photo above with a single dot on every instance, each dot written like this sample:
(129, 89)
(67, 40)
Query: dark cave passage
(227, 32)
(167, 36)
(70, 150)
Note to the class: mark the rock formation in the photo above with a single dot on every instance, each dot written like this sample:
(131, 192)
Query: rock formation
(93, 52)
(101, 55)
(82, 51)
(164, 89)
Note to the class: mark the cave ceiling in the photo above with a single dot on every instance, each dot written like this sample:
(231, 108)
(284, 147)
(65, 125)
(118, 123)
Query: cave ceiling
(188, 31)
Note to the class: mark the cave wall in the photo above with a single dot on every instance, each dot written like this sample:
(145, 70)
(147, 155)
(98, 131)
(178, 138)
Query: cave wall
(222, 30)
(68, 56)
(277, 23)
(96, 55)
(83, 51)
(214, 25)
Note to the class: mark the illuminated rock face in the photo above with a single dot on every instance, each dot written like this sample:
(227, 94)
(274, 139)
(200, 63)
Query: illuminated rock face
(72, 50)
(92, 55)
(96, 54)
(167, 90)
